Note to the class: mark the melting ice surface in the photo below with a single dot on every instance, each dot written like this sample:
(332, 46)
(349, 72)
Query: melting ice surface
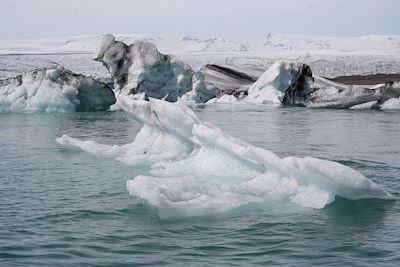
(197, 169)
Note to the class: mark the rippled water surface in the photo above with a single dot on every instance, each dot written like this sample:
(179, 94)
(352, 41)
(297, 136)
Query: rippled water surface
(67, 208)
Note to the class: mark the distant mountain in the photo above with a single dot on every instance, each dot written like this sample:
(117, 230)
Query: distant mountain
(284, 41)
(74, 44)
(193, 44)
(88, 43)
(274, 42)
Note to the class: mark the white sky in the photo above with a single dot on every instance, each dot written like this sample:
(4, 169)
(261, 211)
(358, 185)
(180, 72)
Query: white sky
(236, 19)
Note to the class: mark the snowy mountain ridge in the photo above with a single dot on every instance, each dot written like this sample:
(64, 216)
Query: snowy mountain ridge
(273, 42)
(88, 44)
(284, 41)
(193, 44)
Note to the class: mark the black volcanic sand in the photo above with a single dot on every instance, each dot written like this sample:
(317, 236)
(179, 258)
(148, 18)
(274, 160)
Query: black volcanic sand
(366, 79)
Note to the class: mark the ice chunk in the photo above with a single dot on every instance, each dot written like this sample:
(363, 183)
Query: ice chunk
(393, 103)
(224, 99)
(367, 105)
(54, 89)
(391, 96)
(107, 41)
(199, 93)
(271, 86)
(346, 97)
(230, 79)
(291, 85)
(197, 169)
(141, 68)
(318, 92)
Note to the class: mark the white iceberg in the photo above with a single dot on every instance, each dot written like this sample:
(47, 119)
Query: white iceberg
(54, 89)
(271, 86)
(393, 103)
(197, 169)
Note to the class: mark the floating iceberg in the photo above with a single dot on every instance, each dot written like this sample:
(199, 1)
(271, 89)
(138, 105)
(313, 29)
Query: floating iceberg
(271, 86)
(291, 84)
(54, 89)
(392, 103)
(197, 169)
(141, 69)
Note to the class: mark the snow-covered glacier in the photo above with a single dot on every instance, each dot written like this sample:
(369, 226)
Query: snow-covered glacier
(54, 89)
(197, 169)
(140, 69)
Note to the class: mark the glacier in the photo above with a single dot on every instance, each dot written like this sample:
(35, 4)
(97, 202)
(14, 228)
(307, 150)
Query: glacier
(54, 89)
(196, 169)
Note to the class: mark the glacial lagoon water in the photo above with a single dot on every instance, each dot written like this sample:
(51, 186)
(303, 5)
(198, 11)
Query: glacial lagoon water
(62, 207)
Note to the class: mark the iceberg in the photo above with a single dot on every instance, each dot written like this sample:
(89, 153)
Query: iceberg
(294, 84)
(54, 89)
(270, 88)
(142, 70)
(393, 103)
(197, 169)
(328, 94)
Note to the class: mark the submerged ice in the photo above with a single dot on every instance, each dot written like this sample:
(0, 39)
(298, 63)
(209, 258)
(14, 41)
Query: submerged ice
(197, 169)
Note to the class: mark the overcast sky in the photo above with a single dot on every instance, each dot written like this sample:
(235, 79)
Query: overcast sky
(237, 19)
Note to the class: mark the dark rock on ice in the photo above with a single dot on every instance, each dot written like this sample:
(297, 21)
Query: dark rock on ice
(300, 88)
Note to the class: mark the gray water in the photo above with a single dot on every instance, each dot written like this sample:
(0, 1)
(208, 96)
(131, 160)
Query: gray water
(67, 208)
